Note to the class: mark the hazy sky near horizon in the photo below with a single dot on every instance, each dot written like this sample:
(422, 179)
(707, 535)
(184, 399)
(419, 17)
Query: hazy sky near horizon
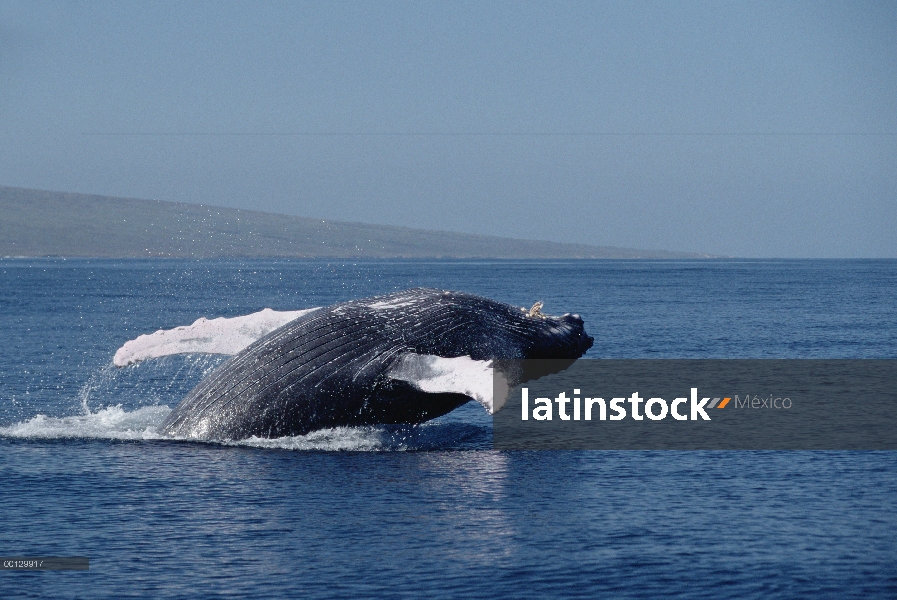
(736, 128)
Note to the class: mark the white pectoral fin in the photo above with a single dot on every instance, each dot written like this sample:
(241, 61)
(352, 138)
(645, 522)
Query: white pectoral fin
(460, 375)
(208, 336)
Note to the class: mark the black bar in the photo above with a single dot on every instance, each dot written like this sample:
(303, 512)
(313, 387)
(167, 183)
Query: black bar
(44, 563)
(819, 404)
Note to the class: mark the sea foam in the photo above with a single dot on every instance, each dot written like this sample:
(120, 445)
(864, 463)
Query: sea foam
(116, 423)
(112, 422)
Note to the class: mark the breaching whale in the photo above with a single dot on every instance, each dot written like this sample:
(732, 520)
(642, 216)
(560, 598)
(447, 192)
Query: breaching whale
(404, 357)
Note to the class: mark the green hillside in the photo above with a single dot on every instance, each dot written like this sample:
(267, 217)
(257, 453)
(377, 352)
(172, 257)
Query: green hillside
(43, 223)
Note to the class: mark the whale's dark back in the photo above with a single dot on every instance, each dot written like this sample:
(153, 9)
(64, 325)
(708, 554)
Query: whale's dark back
(329, 368)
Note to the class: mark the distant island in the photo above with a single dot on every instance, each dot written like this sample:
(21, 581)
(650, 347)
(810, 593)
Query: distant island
(38, 223)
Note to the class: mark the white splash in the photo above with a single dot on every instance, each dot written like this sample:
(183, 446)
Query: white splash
(208, 336)
(337, 439)
(116, 423)
(112, 423)
(373, 438)
(461, 375)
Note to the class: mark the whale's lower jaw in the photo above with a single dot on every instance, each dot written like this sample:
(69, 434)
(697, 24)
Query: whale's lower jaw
(407, 357)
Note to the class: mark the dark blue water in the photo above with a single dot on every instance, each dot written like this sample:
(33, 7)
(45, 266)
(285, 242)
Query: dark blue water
(429, 511)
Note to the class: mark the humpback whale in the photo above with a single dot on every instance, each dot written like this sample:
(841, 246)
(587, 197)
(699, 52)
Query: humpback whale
(404, 357)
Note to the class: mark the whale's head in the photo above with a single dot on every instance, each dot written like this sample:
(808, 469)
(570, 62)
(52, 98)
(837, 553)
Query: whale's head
(556, 337)
(473, 344)
(484, 329)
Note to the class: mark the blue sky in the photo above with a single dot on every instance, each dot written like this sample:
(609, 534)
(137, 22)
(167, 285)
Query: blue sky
(735, 128)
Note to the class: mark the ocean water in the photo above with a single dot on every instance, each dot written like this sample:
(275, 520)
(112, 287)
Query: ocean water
(428, 511)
